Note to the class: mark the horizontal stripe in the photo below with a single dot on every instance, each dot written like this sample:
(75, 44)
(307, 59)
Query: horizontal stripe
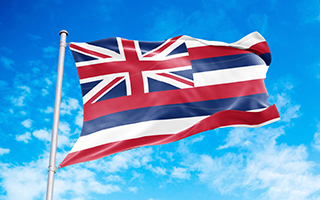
(244, 43)
(203, 52)
(260, 48)
(184, 110)
(226, 62)
(230, 75)
(136, 130)
(220, 119)
(115, 105)
(249, 40)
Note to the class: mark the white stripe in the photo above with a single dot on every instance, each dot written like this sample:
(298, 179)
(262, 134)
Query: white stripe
(244, 43)
(131, 131)
(230, 75)
(249, 40)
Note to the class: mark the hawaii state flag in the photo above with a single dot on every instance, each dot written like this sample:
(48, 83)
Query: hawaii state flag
(138, 93)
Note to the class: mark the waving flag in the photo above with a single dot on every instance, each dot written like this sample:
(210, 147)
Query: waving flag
(148, 93)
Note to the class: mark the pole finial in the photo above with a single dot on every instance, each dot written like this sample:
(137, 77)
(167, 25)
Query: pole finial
(64, 31)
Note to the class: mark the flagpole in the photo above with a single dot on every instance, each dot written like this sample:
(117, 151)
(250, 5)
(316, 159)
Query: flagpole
(54, 138)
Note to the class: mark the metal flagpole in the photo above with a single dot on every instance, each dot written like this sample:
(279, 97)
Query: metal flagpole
(56, 114)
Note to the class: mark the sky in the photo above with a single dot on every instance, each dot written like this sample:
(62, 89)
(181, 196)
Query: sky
(277, 161)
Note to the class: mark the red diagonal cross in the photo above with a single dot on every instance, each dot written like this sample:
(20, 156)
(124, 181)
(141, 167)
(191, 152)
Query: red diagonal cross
(133, 65)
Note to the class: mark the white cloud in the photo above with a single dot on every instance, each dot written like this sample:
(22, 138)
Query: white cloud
(48, 110)
(34, 37)
(180, 173)
(79, 118)
(24, 137)
(64, 127)
(133, 189)
(278, 170)
(80, 182)
(114, 178)
(27, 123)
(50, 52)
(157, 170)
(7, 62)
(3, 84)
(18, 100)
(133, 158)
(25, 88)
(42, 134)
(287, 109)
(44, 92)
(4, 151)
(28, 179)
(316, 139)
(69, 105)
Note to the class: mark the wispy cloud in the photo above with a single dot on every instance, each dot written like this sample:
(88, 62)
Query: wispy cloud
(27, 123)
(28, 179)
(69, 105)
(42, 134)
(7, 62)
(4, 151)
(180, 173)
(23, 92)
(316, 139)
(134, 158)
(133, 189)
(50, 52)
(34, 37)
(24, 137)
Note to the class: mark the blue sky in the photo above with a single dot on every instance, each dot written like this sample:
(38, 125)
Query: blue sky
(278, 161)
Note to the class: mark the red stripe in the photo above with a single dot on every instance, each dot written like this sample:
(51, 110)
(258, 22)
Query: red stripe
(93, 53)
(220, 119)
(98, 109)
(260, 48)
(213, 51)
(177, 79)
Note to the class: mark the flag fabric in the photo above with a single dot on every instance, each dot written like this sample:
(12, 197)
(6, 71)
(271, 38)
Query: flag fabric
(138, 93)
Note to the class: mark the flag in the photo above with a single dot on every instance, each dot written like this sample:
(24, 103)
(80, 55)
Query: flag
(138, 93)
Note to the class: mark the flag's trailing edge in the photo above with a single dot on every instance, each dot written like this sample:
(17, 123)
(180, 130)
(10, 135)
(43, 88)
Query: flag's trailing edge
(148, 93)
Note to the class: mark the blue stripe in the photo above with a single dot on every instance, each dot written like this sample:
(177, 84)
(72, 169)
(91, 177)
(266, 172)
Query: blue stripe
(266, 57)
(183, 110)
(226, 62)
